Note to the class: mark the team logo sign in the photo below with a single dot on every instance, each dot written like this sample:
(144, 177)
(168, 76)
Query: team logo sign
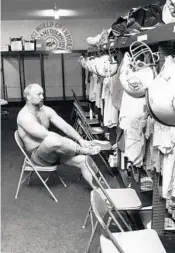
(56, 36)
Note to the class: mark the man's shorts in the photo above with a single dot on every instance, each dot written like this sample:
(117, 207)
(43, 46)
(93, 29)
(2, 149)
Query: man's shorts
(39, 160)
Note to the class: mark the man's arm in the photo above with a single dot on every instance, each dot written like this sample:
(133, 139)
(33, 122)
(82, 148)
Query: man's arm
(61, 124)
(32, 127)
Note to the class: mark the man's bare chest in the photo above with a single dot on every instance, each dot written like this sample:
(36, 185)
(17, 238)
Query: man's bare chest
(43, 119)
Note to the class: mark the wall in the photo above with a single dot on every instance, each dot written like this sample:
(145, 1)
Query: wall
(79, 30)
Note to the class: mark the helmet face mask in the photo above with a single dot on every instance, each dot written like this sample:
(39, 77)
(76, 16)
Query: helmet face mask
(141, 52)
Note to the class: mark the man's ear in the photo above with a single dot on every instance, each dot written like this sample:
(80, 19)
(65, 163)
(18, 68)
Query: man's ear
(28, 97)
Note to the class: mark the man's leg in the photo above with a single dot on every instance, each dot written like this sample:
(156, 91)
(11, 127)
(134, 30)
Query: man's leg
(54, 146)
(63, 145)
(46, 154)
(80, 162)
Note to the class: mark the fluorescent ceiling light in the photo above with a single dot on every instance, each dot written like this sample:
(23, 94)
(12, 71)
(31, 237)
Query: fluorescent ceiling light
(61, 51)
(52, 13)
(56, 14)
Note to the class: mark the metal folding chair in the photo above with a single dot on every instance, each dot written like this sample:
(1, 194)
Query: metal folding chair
(30, 167)
(125, 199)
(91, 133)
(140, 241)
(81, 105)
(78, 101)
(89, 121)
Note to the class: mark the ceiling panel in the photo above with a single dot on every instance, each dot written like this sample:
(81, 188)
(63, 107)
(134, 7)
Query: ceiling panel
(20, 9)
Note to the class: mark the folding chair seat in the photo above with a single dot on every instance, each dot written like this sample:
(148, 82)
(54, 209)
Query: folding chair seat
(30, 167)
(93, 121)
(96, 130)
(125, 199)
(87, 114)
(92, 130)
(140, 241)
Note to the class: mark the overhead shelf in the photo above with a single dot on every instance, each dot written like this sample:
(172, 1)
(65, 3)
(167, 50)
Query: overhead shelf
(34, 53)
(158, 34)
(24, 53)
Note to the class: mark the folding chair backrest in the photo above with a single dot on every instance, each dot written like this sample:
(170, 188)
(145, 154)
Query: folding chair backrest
(96, 173)
(78, 106)
(21, 146)
(98, 205)
(75, 97)
(100, 209)
(84, 124)
(102, 184)
(77, 100)
(80, 110)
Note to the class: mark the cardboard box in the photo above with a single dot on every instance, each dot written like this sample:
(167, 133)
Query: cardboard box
(16, 44)
(29, 45)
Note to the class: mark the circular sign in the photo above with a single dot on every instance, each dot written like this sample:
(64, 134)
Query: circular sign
(55, 36)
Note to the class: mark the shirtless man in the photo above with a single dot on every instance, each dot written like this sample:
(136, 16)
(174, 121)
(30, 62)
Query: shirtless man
(46, 147)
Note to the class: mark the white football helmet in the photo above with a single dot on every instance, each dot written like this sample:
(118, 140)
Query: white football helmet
(161, 96)
(106, 66)
(138, 69)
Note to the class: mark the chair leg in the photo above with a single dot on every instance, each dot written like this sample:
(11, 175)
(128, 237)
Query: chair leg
(92, 221)
(30, 177)
(92, 237)
(87, 217)
(19, 183)
(49, 176)
(46, 186)
(62, 181)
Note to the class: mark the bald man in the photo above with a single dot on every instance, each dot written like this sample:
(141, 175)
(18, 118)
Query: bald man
(48, 148)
